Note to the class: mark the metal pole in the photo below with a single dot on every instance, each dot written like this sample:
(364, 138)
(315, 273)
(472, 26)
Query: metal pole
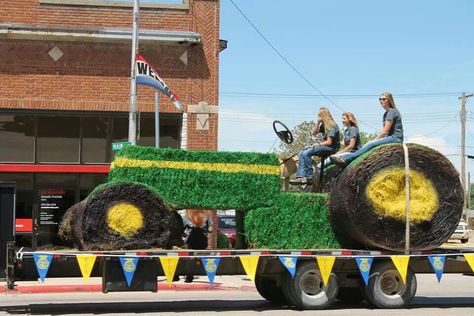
(463, 148)
(157, 119)
(132, 119)
(463, 143)
(468, 195)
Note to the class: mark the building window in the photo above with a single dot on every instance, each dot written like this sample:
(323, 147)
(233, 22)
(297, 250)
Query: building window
(78, 139)
(17, 138)
(88, 182)
(147, 132)
(158, 4)
(96, 139)
(169, 131)
(58, 139)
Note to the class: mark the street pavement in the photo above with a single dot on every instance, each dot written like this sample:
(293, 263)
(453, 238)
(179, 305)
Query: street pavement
(454, 295)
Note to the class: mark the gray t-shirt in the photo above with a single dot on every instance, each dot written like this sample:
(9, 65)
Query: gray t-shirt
(352, 132)
(397, 127)
(333, 132)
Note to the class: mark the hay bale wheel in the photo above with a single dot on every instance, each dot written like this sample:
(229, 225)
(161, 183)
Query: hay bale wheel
(129, 215)
(70, 229)
(368, 205)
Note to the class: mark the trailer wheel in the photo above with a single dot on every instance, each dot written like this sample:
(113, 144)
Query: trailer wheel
(386, 288)
(307, 290)
(350, 295)
(270, 290)
(464, 240)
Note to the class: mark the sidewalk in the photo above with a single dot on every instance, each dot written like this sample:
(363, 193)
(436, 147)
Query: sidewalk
(62, 285)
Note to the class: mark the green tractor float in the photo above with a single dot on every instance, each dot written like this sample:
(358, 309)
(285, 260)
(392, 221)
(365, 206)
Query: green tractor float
(363, 205)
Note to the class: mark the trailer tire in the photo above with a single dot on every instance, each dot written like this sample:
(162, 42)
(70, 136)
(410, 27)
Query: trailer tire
(464, 240)
(351, 295)
(306, 289)
(270, 290)
(386, 288)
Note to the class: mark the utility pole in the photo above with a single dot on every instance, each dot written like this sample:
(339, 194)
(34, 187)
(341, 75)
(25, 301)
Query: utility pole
(132, 119)
(468, 191)
(463, 99)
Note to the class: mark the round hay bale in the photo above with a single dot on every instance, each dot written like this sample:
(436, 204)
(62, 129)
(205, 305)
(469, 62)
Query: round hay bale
(70, 227)
(129, 215)
(367, 201)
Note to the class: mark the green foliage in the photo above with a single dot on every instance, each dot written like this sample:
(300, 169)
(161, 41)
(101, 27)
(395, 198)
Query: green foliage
(295, 221)
(365, 137)
(302, 139)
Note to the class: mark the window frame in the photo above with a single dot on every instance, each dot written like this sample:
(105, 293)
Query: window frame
(111, 3)
(178, 117)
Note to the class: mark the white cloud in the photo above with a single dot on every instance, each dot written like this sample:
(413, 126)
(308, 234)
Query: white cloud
(245, 131)
(437, 143)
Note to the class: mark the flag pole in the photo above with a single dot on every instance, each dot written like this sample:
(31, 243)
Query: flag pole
(132, 119)
(157, 119)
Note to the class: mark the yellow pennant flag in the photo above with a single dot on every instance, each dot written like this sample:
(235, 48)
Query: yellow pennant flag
(401, 263)
(250, 264)
(325, 267)
(86, 263)
(169, 265)
(470, 260)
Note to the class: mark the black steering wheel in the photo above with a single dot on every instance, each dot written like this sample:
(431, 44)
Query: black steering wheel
(284, 134)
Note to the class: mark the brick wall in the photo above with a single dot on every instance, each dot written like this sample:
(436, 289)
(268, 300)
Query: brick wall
(95, 76)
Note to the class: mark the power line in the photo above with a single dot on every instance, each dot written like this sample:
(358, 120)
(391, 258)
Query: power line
(442, 127)
(288, 63)
(302, 95)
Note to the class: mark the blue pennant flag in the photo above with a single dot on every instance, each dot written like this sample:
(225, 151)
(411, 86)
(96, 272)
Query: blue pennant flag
(210, 265)
(437, 262)
(129, 266)
(289, 263)
(364, 264)
(42, 261)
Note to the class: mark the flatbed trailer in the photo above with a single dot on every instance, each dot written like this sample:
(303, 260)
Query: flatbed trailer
(306, 289)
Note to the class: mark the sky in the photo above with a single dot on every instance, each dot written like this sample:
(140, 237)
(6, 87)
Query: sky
(349, 51)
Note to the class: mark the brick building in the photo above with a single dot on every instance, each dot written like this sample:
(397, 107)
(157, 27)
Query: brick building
(65, 94)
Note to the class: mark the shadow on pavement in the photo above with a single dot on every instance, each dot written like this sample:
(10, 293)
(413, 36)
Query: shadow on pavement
(140, 307)
(419, 302)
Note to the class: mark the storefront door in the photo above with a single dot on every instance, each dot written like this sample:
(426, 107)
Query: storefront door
(7, 220)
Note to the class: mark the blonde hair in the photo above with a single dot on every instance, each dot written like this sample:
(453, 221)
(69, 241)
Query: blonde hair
(327, 119)
(196, 217)
(391, 102)
(351, 118)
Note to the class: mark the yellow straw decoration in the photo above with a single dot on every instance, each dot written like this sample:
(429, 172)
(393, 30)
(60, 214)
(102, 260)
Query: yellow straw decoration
(386, 192)
(121, 162)
(125, 219)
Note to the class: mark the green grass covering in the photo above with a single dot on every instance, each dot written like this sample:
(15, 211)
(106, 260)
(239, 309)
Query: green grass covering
(204, 189)
(296, 221)
(171, 154)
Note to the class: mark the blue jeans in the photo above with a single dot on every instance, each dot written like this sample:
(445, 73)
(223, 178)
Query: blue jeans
(373, 143)
(328, 162)
(305, 165)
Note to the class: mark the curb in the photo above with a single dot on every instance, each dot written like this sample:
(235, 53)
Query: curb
(97, 288)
